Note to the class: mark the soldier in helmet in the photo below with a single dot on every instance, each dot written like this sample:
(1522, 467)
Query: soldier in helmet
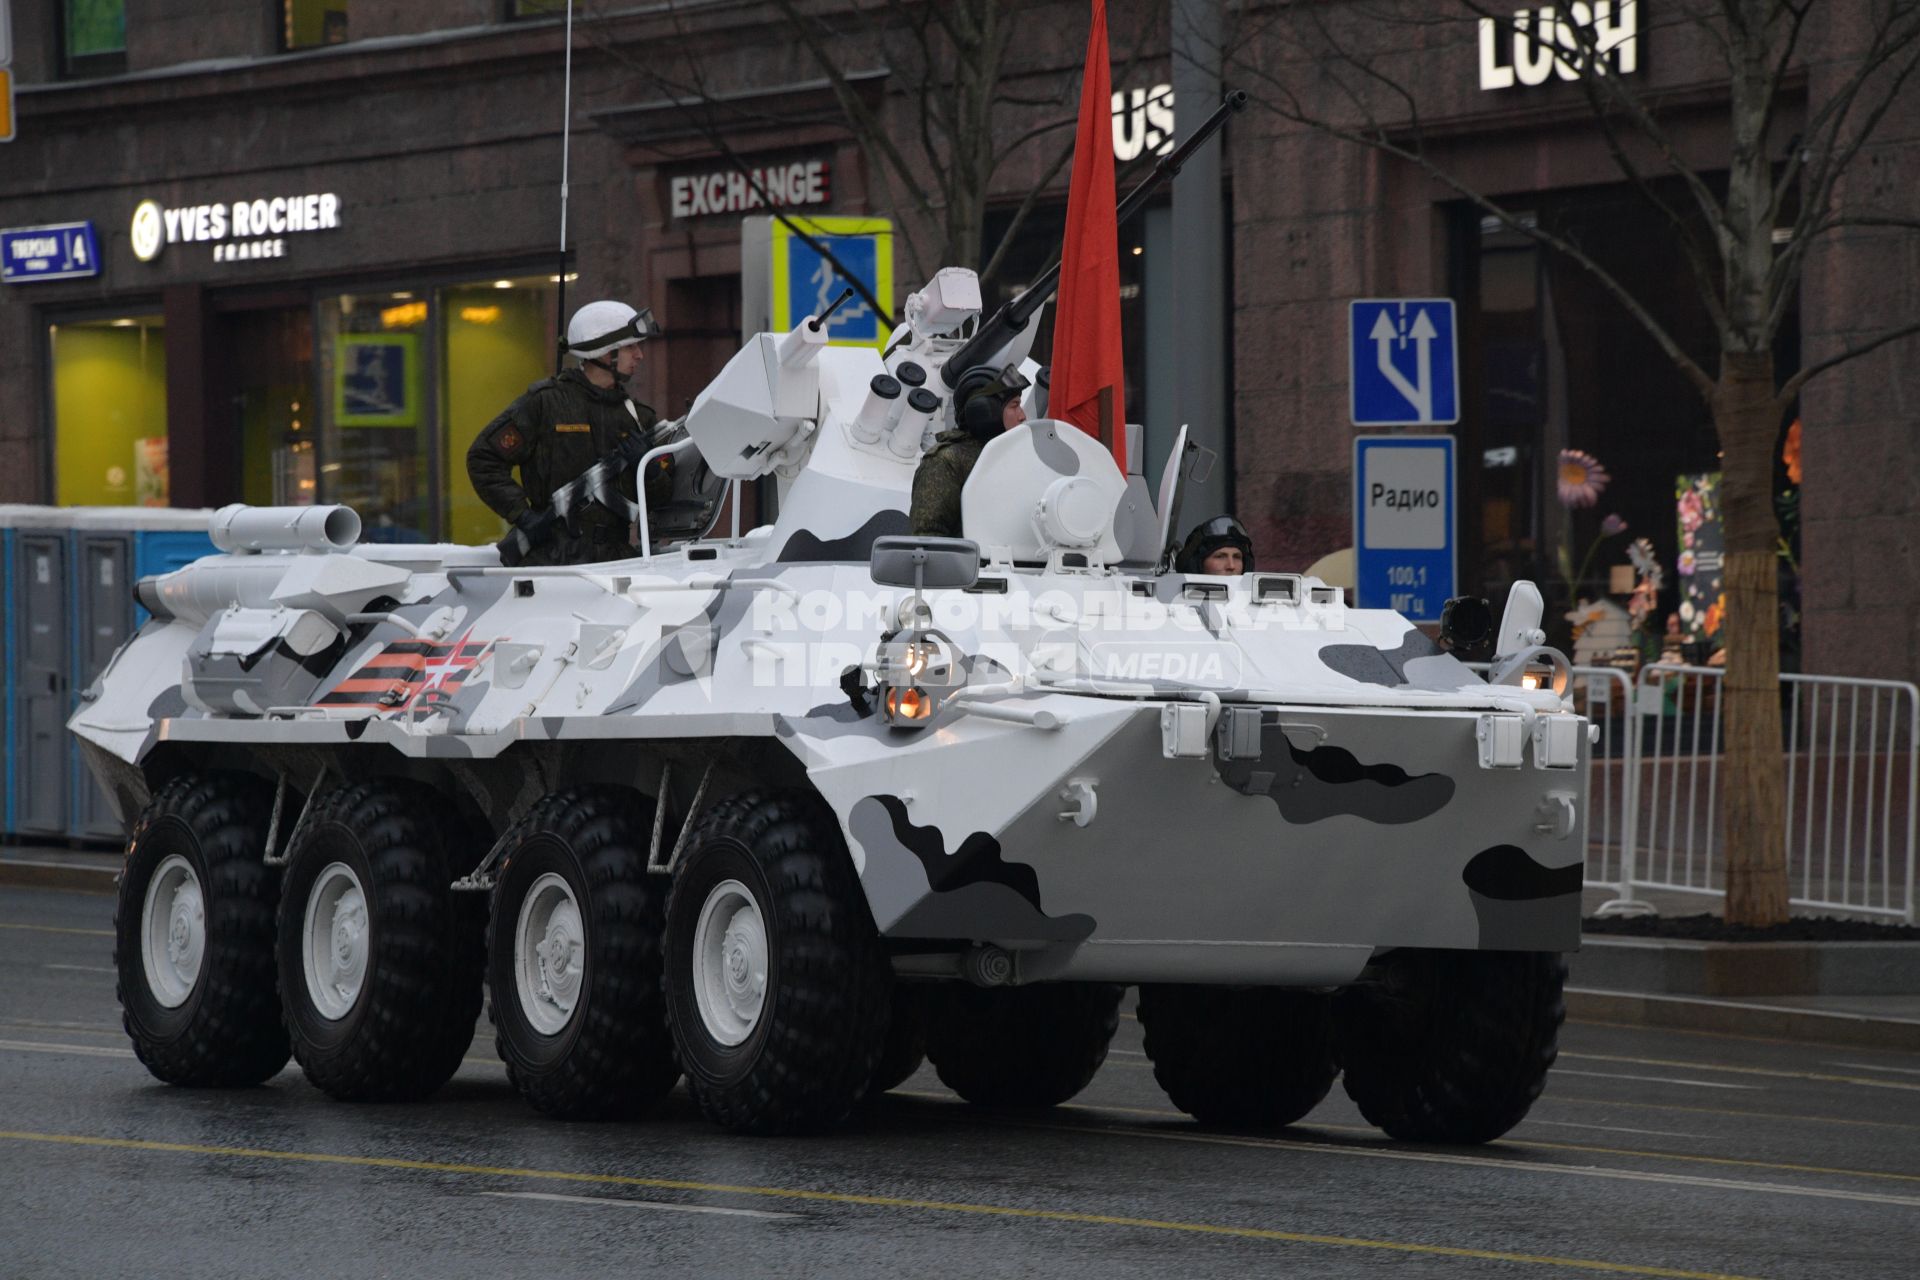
(986, 401)
(560, 427)
(1217, 546)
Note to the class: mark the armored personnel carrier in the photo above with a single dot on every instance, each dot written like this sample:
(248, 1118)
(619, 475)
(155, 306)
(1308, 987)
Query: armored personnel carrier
(783, 810)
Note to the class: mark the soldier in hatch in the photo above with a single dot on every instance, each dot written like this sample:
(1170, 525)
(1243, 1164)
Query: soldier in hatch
(1219, 546)
(560, 427)
(986, 401)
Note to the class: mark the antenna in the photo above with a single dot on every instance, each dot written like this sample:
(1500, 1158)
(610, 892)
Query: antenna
(566, 138)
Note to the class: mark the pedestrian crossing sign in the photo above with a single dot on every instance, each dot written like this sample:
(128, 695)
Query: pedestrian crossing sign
(805, 281)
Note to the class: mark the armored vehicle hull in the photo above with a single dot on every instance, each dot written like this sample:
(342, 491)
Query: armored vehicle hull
(773, 812)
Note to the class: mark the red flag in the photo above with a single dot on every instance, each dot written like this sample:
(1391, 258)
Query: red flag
(1086, 323)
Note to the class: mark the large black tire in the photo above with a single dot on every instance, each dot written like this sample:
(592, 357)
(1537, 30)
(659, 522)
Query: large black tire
(1451, 1046)
(1253, 1057)
(781, 1037)
(1021, 1046)
(401, 1016)
(582, 1029)
(214, 1023)
(906, 1043)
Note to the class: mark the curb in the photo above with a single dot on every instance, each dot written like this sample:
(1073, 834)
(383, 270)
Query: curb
(1731, 1017)
(1744, 970)
(25, 873)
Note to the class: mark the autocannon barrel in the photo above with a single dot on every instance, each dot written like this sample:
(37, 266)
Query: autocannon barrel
(1014, 316)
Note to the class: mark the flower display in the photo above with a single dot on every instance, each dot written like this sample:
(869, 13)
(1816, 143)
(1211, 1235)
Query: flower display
(1582, 478)
(1692, 513)
(1686, 564)
(1790, 453)
(1716, 612)
(1646, 562)
(1612, 525)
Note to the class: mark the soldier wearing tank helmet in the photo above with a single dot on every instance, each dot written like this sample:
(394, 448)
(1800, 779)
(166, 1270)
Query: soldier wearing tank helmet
(1219, 546)
(986, 401)
(559, 428)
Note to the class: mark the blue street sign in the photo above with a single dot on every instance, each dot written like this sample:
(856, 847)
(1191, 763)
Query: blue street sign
(1403, 524)
(1402, 362)
(813, 283)
(58, 252)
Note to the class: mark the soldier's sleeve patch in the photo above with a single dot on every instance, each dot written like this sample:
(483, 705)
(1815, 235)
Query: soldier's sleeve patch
(573, 428)
(509, 438)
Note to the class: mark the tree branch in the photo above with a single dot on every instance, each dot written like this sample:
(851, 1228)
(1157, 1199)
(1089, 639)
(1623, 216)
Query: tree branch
(1791, 389)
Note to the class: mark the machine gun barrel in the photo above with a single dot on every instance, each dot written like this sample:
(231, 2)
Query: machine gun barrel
(598, 483)
(1013, 317)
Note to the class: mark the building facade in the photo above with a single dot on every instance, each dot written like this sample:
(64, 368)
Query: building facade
(328, 242)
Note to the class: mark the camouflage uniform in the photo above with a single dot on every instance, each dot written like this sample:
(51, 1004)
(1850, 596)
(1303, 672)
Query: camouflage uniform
(937, 483)
(553, 433)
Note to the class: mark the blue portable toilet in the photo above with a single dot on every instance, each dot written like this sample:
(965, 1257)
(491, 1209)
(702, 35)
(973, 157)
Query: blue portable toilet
(112, 549)
(38, 669)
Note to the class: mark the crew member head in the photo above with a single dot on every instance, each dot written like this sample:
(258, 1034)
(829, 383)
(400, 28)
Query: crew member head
(1217, 546)
(986, 401)
(606, 337)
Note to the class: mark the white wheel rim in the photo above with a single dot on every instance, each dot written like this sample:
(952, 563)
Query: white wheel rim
(173, 931)
(730, 963)
(549, 954)
(338, 941)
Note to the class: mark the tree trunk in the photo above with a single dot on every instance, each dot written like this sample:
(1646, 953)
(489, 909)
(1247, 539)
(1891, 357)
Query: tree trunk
(1752, 788)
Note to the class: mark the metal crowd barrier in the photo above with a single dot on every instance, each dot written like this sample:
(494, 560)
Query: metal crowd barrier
(1848, 746)
(1852, 782)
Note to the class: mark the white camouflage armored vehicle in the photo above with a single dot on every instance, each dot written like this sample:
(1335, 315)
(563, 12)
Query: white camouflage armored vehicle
(785, 810)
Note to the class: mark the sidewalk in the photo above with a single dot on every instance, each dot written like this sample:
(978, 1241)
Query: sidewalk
(1863, 994)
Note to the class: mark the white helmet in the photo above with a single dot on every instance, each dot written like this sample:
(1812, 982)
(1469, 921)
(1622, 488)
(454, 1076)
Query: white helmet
(602, 327)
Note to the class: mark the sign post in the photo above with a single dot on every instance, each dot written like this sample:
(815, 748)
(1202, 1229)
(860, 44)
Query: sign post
(6, 75)
(1403, 524)
(1403, 363)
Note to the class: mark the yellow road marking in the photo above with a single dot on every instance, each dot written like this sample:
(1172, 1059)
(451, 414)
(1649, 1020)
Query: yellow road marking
(51, 928)
(870, 1201)
(1771, 1072)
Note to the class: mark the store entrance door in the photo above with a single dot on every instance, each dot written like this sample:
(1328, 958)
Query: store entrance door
(267, 402)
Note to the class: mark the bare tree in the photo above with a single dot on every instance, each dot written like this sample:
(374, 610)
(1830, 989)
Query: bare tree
(1746, 241)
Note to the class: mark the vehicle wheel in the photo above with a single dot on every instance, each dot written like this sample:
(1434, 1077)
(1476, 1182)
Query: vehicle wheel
(776, 980)
(573, 963)
(193, 934)
(1021, 1046)
(906, 1044)
(1256, 1057)
(1451, 1046)
(380, 962)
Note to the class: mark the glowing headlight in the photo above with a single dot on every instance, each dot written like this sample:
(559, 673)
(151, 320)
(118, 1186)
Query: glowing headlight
(908, 704)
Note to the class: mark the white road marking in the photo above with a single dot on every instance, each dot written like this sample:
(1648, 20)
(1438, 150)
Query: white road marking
(1614, 1128)
(1773, 1072)
(1614, 1075)
(1484, 1162)
(609, 1201)
(1868, 1066)
(82, 968)
(90, 1050)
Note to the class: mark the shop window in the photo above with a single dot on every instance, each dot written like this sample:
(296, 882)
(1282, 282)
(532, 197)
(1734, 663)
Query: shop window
(110, 412)
(93, 37)
(1559, 378)
(499, 338)
(307, 24)
(377, 441)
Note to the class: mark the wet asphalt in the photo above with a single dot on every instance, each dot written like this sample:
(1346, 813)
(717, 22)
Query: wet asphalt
(1655, 1153)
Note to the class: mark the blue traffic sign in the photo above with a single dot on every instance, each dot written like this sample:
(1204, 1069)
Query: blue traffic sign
(1403, 524)
(813, 282)
(1403, 362)
(62, 251)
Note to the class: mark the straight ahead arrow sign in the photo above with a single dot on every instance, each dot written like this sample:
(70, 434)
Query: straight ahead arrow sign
(1385, 391)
